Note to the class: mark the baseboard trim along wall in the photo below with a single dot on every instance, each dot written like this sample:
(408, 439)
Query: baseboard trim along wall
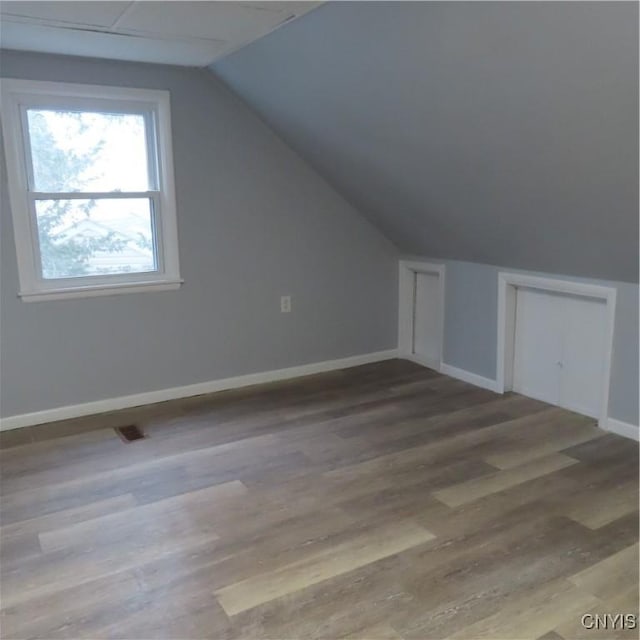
(625, 429)
(471, 378)
(618, 427)
(151, 397)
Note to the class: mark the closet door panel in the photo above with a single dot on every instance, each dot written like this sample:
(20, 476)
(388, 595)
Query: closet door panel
(426, 318)
(582, 379)
(538, 345)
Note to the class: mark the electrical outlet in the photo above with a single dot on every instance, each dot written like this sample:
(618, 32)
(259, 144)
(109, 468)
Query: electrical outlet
(285, 304)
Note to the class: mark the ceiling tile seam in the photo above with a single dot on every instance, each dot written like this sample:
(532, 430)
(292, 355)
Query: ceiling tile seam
(256, 7)
(124, 12)
(152, 35)
(147, 35)
(46, 22)
(237, 47)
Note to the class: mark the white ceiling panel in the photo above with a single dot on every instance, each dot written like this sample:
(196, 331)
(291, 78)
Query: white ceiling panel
(99, 14)
(74, 42)
(174, 32)
(297, 8)
(231, 21)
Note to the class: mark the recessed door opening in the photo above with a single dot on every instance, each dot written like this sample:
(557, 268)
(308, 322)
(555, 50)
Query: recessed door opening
(426, 317)
(421, 313)
(555, 342)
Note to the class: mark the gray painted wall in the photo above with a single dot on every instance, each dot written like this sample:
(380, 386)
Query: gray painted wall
(254, 221)
(491, 132)
(471, 321)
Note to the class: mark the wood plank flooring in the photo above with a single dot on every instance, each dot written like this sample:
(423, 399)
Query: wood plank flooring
(382, 501)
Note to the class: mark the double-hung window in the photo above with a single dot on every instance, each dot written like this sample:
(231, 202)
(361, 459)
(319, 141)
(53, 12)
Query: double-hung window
(91, 188)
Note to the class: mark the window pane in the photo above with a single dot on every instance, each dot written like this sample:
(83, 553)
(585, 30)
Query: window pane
(95, 237)
(86, 151)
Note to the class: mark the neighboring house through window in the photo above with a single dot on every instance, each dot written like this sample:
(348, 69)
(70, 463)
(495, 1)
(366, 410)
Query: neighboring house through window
(91, 186)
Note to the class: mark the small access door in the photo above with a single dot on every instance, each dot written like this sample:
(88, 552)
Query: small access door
(427, 316)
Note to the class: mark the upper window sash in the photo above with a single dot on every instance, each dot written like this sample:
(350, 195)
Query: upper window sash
(149, 115)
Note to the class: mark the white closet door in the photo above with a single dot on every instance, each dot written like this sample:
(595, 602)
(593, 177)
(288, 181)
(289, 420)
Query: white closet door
(582, 380)
(538, 345)
(426, 318)
(560, 349)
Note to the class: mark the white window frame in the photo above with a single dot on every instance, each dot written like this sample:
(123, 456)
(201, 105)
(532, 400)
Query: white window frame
(17, 96)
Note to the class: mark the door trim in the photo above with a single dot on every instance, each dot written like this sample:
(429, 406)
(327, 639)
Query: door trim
(406, 291)
(507, 285)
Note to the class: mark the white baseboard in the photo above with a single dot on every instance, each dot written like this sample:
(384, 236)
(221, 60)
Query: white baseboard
(625, 429)
(150, 397)
(471, 378)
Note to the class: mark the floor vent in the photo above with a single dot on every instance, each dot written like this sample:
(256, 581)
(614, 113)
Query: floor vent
(130, 433)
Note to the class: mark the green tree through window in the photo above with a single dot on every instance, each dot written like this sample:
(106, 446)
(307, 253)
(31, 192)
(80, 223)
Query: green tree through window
(64, 256)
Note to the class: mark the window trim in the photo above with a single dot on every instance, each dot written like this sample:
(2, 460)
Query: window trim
(18, 95)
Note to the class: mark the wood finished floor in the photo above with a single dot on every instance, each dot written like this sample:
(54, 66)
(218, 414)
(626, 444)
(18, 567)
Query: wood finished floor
(383, 501)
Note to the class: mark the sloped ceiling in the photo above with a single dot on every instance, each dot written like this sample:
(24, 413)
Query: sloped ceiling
(503, 133)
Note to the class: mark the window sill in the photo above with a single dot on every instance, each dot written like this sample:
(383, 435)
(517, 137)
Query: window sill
(91, 291)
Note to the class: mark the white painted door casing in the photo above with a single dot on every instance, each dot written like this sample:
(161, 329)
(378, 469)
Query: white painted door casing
(408, 287)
